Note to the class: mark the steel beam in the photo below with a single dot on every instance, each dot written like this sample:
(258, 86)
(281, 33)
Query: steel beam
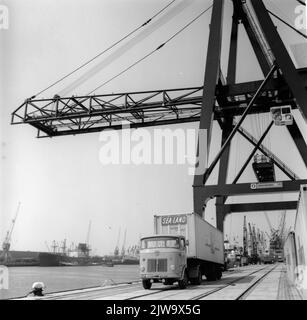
(285, 169)
(227, 123)
(262, 59)
(205, 193)
(252, 153)
(223, 172)
(282, 56)
(255, 207)
(212, 73)
(246, 111)
(232, 61)
(299, 140)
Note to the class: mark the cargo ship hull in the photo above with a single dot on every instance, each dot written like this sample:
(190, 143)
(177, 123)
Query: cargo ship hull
(21, 259)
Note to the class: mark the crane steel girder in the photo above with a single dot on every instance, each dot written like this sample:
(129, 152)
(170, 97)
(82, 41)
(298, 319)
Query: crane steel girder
(84, 114)
(206, 192)
(258, 206)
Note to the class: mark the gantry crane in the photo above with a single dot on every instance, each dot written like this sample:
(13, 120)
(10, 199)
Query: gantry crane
(6, 245)
(214, 100)
(244, 258)
(254, 245)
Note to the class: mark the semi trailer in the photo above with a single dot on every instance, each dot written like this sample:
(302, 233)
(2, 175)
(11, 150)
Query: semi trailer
(184, 247)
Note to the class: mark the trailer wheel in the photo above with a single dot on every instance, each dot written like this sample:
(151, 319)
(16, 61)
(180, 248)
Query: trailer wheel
(183, 282)
(219, 274)
(211, 275)
(146, 284)
(198, 280)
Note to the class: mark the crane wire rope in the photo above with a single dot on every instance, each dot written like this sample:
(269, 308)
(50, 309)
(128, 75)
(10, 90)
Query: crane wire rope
(104, 51)
(287, 24)
(301, 2)
(152, 52)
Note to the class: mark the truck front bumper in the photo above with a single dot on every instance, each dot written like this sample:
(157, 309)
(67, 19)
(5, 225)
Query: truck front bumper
(161, 275)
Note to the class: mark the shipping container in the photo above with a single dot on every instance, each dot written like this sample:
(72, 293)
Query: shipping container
(205, 241)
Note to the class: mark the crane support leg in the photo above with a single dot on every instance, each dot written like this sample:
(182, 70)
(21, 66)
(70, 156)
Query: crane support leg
(223, 171)
(298, 140)
(212, 74)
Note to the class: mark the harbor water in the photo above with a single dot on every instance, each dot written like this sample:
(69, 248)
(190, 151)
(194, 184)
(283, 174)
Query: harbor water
(66, 278)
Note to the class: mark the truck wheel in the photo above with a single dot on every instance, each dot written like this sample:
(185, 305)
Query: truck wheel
(184, 282)
(146, 284)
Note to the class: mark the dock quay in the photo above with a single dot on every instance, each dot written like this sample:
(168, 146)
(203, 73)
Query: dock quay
(253, 282)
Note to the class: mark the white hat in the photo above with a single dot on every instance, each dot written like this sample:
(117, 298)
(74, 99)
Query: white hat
(38, 285)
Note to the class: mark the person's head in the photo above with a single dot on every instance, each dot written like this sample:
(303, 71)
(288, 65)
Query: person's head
(37, 288)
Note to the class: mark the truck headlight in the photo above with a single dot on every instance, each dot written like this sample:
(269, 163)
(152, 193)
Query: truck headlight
(142, 268)
(172, 267)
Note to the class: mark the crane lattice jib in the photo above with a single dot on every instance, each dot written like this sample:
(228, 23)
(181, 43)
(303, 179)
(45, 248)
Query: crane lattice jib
(60, 116)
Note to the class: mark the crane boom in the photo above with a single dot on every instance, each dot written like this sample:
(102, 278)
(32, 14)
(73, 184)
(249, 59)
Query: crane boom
(87, 241)
(13, 223)
(7, 241)
(244, 238)
(116, 250)
(124, 244)
(268, 221)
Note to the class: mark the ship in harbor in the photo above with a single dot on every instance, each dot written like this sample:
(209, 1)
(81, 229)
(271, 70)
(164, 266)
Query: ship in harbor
(19, 258)
(63, 255)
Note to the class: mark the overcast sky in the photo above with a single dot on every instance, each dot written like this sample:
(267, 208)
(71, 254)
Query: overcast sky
(60, 182)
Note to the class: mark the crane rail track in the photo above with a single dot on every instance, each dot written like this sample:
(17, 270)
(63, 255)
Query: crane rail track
(200, 296)
(226, 285)
(246, 293)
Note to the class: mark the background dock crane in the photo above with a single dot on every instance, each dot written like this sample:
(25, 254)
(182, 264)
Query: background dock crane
(6, 245)
(123, 251)
(116, 250)
(87, 241)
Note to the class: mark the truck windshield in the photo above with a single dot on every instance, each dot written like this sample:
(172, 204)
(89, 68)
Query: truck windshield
(160, 243)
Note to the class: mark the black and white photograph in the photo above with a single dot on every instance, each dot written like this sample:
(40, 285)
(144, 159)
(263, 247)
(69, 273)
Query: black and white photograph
(153, 153)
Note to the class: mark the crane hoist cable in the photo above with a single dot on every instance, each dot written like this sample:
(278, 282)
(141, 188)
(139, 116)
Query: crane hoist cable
(301, 2)
(152, 52)
(104, 51)
(287, 24)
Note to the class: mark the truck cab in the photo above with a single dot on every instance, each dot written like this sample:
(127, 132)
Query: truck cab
(163, 258)
(184, 248)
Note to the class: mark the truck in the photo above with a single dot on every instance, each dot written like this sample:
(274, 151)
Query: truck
(184, 247)
(268, 257)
